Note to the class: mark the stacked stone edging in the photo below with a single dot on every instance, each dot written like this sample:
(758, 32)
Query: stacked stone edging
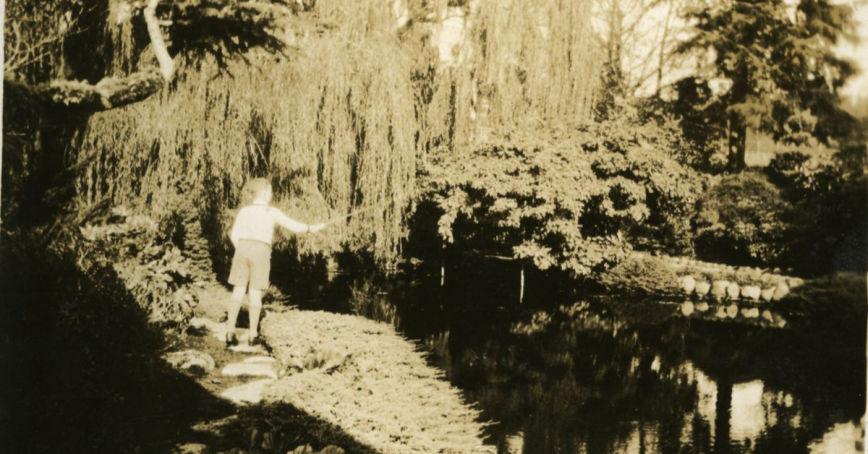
(725, 282)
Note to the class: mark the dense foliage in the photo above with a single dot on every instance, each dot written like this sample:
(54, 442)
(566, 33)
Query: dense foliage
(642, 276)
(743, 220)
(830, 196)
(567, 198)
(778, 69)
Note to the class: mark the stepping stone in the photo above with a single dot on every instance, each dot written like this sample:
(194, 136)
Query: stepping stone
(186, 359)
(249, 349)
(249, 370)
(259, 360)
(248, 393)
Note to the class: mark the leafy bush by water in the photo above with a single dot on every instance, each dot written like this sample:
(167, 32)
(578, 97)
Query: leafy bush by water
(744, 219)
(566, 198)
(830, 196)
(646, 276)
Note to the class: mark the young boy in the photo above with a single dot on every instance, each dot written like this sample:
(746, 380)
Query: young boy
(251, 235)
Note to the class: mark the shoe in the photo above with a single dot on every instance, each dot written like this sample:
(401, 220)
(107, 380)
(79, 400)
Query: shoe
(231, 339)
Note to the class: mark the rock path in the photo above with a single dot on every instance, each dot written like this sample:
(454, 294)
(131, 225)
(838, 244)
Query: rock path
(355, 373)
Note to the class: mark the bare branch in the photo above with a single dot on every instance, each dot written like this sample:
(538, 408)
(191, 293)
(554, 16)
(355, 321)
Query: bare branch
(167, 64)
(109, 93)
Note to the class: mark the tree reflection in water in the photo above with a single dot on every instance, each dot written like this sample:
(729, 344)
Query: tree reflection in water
(625, 376)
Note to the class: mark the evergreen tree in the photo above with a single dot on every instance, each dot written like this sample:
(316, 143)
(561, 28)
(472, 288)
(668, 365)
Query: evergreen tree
(778, 68)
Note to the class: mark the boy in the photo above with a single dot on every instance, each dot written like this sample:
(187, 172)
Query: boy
(251, 235)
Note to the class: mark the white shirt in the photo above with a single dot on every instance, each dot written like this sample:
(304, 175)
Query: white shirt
(256, 222)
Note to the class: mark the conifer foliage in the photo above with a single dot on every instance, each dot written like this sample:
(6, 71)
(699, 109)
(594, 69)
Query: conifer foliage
(779, 69)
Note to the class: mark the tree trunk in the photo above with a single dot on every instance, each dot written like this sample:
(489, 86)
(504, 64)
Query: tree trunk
(737, 143)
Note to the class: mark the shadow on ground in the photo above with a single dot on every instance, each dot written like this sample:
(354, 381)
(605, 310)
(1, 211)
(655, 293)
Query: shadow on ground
(81, 371)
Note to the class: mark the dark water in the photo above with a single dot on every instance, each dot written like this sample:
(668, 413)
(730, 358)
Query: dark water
(573, 373)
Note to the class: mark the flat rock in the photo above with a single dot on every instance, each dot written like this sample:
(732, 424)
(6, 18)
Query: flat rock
(186, 359)
(249, 370)
(248, 393)
(249, 349)
(259, 360)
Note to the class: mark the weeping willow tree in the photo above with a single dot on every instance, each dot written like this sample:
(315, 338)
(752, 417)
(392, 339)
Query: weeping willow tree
(339, 123)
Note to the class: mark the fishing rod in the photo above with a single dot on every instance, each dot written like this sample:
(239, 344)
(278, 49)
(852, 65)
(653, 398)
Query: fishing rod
(354, 213)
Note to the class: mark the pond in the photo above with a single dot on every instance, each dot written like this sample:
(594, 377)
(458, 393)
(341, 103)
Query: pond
(563, 372)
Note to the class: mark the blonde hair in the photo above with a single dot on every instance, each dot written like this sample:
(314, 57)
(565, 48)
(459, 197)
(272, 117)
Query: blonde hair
(252, 189)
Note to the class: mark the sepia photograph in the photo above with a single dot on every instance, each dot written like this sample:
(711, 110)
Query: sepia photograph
(434, 227)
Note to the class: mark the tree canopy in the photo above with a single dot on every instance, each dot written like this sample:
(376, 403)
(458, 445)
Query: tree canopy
(768, 65)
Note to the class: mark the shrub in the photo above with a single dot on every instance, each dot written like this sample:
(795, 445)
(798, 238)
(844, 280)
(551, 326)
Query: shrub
(154, 269)
(570, 198)
(831, 211)
(647, 276)
(743, 220)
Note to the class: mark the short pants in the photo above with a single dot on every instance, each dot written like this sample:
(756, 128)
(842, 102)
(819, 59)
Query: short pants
(251, 264)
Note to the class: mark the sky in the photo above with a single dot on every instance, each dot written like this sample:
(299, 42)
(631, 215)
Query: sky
(857, 86)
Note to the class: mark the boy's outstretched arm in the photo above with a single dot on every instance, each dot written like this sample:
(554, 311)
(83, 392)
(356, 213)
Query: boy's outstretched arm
(291, 224)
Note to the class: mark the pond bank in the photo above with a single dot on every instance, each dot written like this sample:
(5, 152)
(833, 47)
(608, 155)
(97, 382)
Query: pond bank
(348, 375)
(376, 385)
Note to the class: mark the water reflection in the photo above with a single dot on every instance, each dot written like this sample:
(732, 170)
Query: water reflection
(623, 377)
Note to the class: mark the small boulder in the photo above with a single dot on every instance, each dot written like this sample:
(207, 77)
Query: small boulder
(751, 292)
(702, 288)
(721, 312)
(767, 315)
(687, 308)
(702, 306)
(718, 288)
(688, 284)
(732, 310)
(781, 291)
(750, 312)
(766, 294)
(733, 290)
